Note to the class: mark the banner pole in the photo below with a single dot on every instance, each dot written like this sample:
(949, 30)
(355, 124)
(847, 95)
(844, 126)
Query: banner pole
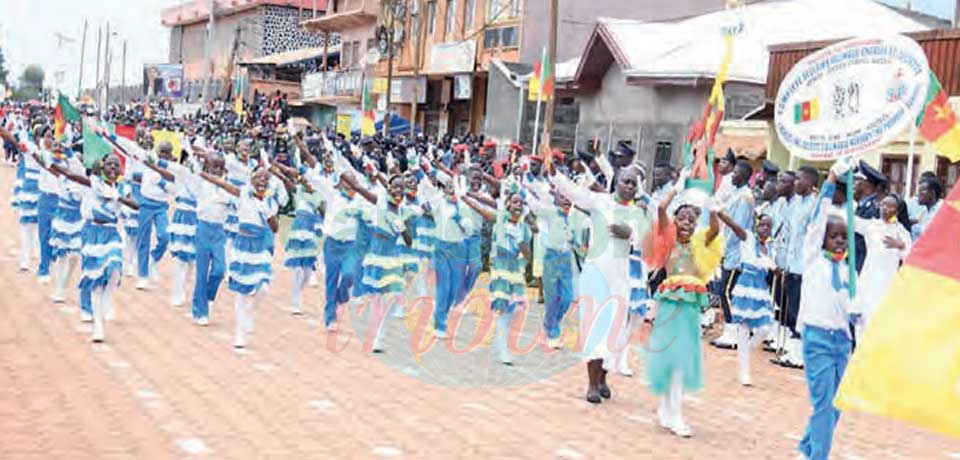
(908, 187)
(851, 244)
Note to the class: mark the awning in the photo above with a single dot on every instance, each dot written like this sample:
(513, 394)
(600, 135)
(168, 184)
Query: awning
(749, 147)
(339, 21)
(290, 57)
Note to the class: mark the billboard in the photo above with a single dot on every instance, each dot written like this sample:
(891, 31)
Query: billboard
(163, 80)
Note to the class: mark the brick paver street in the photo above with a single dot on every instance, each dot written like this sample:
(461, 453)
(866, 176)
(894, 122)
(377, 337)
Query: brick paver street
(161, 387)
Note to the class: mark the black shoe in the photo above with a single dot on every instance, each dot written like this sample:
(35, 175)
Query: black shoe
(604, 391)
(593, 397)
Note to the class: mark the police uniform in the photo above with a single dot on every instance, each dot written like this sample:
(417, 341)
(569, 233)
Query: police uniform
(868, 207)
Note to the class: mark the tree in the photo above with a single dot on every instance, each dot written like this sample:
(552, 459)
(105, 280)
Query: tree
(3, 71)
(31, 83)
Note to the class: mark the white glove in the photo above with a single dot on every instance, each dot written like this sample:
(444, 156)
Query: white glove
(714, 205)
(841, 166)
(681, 180)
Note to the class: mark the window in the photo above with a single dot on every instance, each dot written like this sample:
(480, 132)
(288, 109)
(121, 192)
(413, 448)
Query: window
(468, 16)
(502, 37)
(346, 52)
(895, 168)
(947, 172)
(431, 17)
(499, 10)
(451, 16)
(356, 54)
(664, 153)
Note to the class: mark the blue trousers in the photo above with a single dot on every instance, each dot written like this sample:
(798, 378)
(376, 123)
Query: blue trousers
(341, 265)
(825, 355)
(210, 242)
(46, 208)
(450, 264)
(152, 213)
(557, 289)
(474, 263)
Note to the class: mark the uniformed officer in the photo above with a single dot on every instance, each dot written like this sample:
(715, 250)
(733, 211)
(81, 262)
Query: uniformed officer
(867, 185)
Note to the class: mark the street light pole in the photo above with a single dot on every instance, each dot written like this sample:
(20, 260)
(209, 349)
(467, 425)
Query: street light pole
(123, 76)
(551, 98)
(207, 46)
(417, 44)
(83, 52)
(392, 5)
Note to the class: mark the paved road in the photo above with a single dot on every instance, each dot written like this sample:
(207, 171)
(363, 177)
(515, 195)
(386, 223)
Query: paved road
(161, 388)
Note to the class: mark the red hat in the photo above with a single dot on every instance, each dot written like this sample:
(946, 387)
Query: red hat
(489, 144)
(558, 155)
(536, 158)
(516, 146)
(459, 147)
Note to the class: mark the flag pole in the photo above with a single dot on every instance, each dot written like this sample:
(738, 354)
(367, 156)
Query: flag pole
(536, 123)
(907, 189)
(851, 244)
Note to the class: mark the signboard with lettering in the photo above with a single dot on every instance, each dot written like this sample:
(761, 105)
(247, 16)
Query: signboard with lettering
(852, 97)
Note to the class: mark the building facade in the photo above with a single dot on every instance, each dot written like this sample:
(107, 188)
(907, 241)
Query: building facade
(255, 28)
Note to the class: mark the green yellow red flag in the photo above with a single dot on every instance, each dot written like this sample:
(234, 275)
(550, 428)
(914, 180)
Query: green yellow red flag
(938, 123)
(907, 365)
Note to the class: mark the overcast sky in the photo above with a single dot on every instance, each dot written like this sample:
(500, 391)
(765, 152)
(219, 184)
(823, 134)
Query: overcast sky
(27, 29)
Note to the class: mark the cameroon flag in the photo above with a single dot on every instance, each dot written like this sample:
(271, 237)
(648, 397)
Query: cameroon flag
(63, 114)
(938, 124)
(907, 366)
(368, 119)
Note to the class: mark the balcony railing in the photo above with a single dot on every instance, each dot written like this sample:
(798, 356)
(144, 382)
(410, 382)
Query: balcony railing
(333, 84)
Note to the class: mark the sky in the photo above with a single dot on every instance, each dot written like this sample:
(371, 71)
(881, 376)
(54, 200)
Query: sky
(27, 29)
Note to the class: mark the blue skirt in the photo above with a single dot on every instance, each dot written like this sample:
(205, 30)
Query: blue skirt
(639, 292)
(250, 265)
(383, 266)
(750, 301)
(507, 282)
(361, 245)
(183, 234)
(101, 255)
(301, 249)
(66, 229)
(28, 201)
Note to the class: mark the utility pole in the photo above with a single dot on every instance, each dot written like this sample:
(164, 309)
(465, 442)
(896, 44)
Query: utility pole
(552, 55)
(392, 5)
(106, 71)
(417, 45)
(123, 75)
(83, 50)
(956, 14)
(96, 84)
(207, 48)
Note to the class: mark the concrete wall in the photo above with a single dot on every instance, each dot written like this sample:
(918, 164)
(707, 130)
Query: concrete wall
(577, 18)
(647, 115)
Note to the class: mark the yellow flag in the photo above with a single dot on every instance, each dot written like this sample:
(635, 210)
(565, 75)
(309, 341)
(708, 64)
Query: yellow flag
(168, 136)
(344, 122)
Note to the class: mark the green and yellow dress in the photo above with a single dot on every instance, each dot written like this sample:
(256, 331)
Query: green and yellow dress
(675, 338)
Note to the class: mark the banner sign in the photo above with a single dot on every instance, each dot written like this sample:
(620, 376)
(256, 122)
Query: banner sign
(163, 80)
(344, 123)
(851, 97)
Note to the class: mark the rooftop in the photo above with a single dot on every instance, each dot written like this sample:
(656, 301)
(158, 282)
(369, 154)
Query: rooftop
(197, 10)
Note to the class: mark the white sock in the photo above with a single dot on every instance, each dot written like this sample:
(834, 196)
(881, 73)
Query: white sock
(96, 299)
(112, 284)
(296, 287)
(240, 321)
(743, 353)
(676, 398)
(503, 334)
(59, 269)
(28, 242)
(178, 294)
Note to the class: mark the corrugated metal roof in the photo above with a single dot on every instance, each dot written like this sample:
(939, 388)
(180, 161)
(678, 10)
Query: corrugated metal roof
(942, 48)
(691, 49)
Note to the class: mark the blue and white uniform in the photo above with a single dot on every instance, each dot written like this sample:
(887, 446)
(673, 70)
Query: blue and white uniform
(183, 226)
(251, 264)
(68, 222)
(213, 205)
(301, 249)
(154, 194)
(750, 302)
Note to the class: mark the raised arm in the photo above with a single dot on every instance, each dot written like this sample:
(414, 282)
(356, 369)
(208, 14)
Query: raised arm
(366, 194)
(82, 180)
(737, 229)
(484, 212)
(226, 186)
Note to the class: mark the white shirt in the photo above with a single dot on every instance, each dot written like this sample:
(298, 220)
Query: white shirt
(340, 221)
(213, 203)
(821, 303)
(48, 182)
(153, 187)
(255, 211)
(881, 264)
(448, 216)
